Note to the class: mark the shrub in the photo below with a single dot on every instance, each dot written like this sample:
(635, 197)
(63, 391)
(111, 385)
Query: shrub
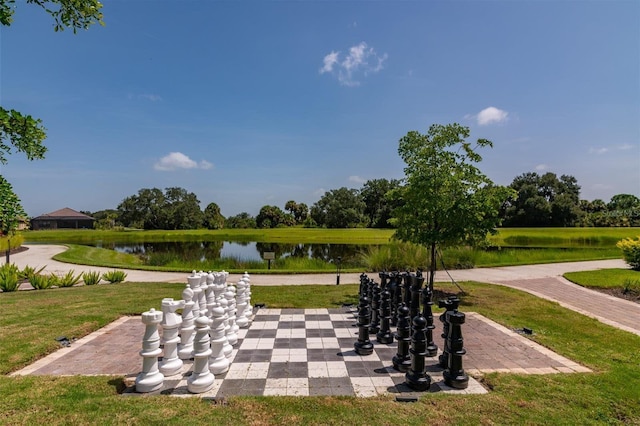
(631, 252)
(9, 277)
(69, 279)
(40, 282)
(114, 276)
(91, 278)
(28, 272)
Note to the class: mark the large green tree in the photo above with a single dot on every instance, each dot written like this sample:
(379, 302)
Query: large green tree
(152, 209)
(378, 205)
(446, 200)
(213, 219)
(10, 213)
(340, 208)
(273, 217)
(544, 200)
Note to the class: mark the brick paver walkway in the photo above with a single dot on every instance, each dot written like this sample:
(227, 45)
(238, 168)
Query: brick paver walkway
(610, 310)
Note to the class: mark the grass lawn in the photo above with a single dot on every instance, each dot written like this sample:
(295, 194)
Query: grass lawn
(605, 278)
(30, 321)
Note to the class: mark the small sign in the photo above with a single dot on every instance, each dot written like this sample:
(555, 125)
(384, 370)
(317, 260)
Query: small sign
(269, 255)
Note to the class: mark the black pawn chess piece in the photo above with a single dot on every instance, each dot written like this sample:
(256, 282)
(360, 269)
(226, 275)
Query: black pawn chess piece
(427, 313)
(417, 378)
(395, 288)
(384, 335)
(363, 346)
(454, 375)
(416, 286)
(451, 305)
(374, 326)
(402, 359)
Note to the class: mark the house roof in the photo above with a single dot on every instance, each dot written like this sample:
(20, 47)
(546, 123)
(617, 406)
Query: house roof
(65, 213)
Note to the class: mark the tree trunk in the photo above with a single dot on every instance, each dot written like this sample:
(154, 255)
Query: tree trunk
(432, 266)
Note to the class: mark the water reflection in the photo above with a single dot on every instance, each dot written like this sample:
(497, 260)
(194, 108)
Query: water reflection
(156, 253)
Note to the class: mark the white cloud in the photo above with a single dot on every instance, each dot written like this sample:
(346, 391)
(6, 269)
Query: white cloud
(542, 167)
(329, 61)
(357, 179)
(319, 192)
(177, 160)
(491, 115)
(598, 151)
(146, 96)
(361, 61)
(625, 147)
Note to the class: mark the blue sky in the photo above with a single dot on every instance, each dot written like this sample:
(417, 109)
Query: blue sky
(248, 103)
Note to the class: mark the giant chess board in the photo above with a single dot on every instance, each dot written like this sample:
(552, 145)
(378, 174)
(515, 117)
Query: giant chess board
(308, 352)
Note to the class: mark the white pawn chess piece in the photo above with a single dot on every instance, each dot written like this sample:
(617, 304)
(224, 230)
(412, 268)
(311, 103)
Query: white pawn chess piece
(227, 348)
(218, 362)
(194, 284)
(232, 333)
(171, 363)
(203, 295)
(241, 305)
(188, 328)
(150, 379)
(201, 380)
(210, 295)
(249, 309)
(234, 300)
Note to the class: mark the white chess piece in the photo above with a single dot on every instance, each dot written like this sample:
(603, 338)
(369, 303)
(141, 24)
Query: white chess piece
(150, 379)
(188, 328)
(171, 363)
(218, 362)
(201, 380)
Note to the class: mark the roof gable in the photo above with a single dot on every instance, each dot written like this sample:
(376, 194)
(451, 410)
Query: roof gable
(65, 213)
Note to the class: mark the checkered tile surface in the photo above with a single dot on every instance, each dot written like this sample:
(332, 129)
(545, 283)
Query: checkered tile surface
(309, 352)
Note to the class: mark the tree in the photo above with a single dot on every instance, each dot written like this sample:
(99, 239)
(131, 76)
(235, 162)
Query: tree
(10, 213)
(446, 200)
(378, 206)
(273, 217)
(299, 211)
(152, 209)
(340, 208)
(213, 219)
(623, 202)
(241, 221)
(544, 201)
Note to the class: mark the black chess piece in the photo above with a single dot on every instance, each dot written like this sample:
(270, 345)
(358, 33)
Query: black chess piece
(384, 335)
(395, 288)
(374, 326)
(451, 305)
(427, 313)
(363, 346)
(402, 359)
(417, 378)
(454, 375)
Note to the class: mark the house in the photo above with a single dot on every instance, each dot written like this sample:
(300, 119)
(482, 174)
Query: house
(63, 218)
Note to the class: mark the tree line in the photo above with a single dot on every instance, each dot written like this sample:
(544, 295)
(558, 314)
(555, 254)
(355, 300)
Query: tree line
(534, 201)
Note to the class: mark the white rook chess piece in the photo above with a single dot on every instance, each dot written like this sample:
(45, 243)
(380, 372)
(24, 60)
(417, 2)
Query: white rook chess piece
(171, 363)
(218, 362)
(201, 380)
(150, 379)
(188, 328)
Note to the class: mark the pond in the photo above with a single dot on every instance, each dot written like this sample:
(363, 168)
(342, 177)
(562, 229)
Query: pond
(160, 252)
